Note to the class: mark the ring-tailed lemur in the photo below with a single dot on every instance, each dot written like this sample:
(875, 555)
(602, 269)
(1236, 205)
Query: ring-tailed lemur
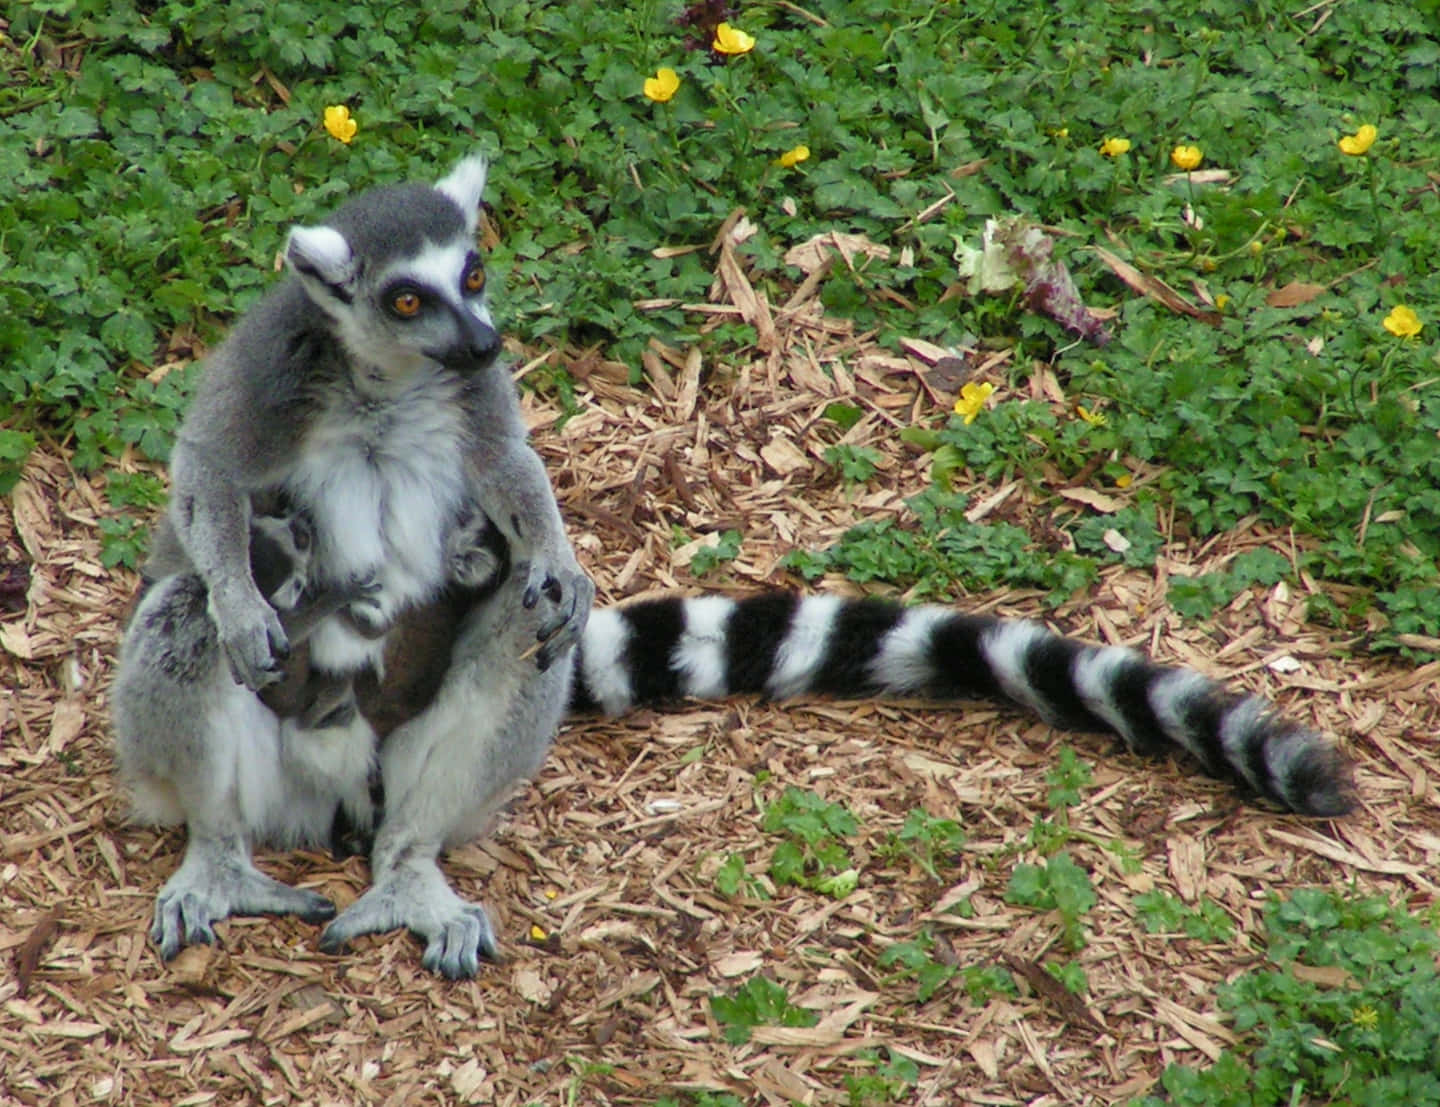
(382, 343)
(362, 392)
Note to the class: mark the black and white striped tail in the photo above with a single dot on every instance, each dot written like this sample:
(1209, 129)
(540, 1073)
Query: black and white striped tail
(781, 644)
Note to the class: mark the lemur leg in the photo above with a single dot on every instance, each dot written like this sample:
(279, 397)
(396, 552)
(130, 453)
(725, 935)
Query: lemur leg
(446, 771)
(196, 748)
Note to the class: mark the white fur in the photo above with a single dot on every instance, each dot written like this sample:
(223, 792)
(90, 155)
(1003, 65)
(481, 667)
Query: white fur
(1238, 728)
(324, 249)
(1094, 676)
(603, 660)
(1169, 699)
(383, 495)
(905, 661)
(1006, 646)
(465, 184)
(438, 267)
(802, 651)
(699, 655)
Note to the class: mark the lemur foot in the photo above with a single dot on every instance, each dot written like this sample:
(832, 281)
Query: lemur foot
(415, 895)
(216, 881)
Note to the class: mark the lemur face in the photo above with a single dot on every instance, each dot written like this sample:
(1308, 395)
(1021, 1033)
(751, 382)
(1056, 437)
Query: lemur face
(397, 271)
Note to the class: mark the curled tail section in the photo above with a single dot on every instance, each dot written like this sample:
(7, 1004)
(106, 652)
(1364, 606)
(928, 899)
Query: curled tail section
(780, 644)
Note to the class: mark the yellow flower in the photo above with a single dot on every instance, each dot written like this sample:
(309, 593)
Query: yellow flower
(1124, 480)
(731, 40)
(794, 156)
(1360, 141)
(339, 123)
(1222, 301)
(972, 400)
(1094, 418)
(1186, 157)
(662, 86)
(1114, 147)
(1402, 322)
(537, 934)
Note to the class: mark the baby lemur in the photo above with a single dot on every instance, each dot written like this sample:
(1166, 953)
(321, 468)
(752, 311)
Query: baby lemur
(280, 560)
(364, 393)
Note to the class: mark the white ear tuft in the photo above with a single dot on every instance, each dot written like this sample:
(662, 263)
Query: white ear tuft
(320, 253)
(464, 184)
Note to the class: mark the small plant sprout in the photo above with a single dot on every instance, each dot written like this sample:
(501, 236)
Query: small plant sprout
(759, 1002)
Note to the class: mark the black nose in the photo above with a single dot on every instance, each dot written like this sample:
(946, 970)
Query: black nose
(475, 348)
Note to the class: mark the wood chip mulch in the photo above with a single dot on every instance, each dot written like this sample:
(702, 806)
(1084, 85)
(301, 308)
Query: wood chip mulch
(601, 874)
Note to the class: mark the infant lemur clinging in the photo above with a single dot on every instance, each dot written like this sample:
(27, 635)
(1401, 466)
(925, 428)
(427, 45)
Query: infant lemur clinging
(364, 394)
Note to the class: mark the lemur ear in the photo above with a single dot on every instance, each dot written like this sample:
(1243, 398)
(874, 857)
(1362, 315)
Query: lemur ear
(321, 254)
(464, 184)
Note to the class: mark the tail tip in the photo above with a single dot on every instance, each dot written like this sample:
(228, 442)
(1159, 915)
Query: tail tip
(1320, 781)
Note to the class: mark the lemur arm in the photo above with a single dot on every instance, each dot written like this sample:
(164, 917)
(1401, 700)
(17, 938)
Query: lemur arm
(510, 485)
(211, 518)
(240, 435)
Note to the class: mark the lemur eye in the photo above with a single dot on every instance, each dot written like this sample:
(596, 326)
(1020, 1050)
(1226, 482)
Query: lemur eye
(474, 278)
(405, 304)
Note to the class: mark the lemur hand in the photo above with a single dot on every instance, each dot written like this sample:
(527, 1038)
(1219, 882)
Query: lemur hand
(251, 637)
(563, 587)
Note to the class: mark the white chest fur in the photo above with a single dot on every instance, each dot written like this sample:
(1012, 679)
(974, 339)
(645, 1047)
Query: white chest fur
(382, 482)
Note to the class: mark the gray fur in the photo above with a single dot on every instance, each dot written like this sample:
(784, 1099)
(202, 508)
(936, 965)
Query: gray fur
(400, 439)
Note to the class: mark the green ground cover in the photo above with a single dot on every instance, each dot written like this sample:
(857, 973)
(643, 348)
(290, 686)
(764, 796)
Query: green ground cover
(163, 148)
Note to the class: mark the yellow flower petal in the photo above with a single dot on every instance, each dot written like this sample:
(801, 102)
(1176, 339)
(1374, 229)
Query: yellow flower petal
(1186, 157)
(339, 124)
(537, 934)
(794, 156)
(1094, 418)
(1402, 322)
(972, 400)
(1360, 142)
(663, 85)
(1114, 147)
(731, 40)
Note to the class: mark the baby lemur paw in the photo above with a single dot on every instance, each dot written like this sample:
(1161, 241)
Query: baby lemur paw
(474, 551)
(562, 598)
(363, 608)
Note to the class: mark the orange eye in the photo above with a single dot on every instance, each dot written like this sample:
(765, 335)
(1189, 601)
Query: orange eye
(406, 304)
(475, 278)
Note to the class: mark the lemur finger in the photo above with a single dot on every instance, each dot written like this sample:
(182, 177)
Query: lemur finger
(255, 667)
